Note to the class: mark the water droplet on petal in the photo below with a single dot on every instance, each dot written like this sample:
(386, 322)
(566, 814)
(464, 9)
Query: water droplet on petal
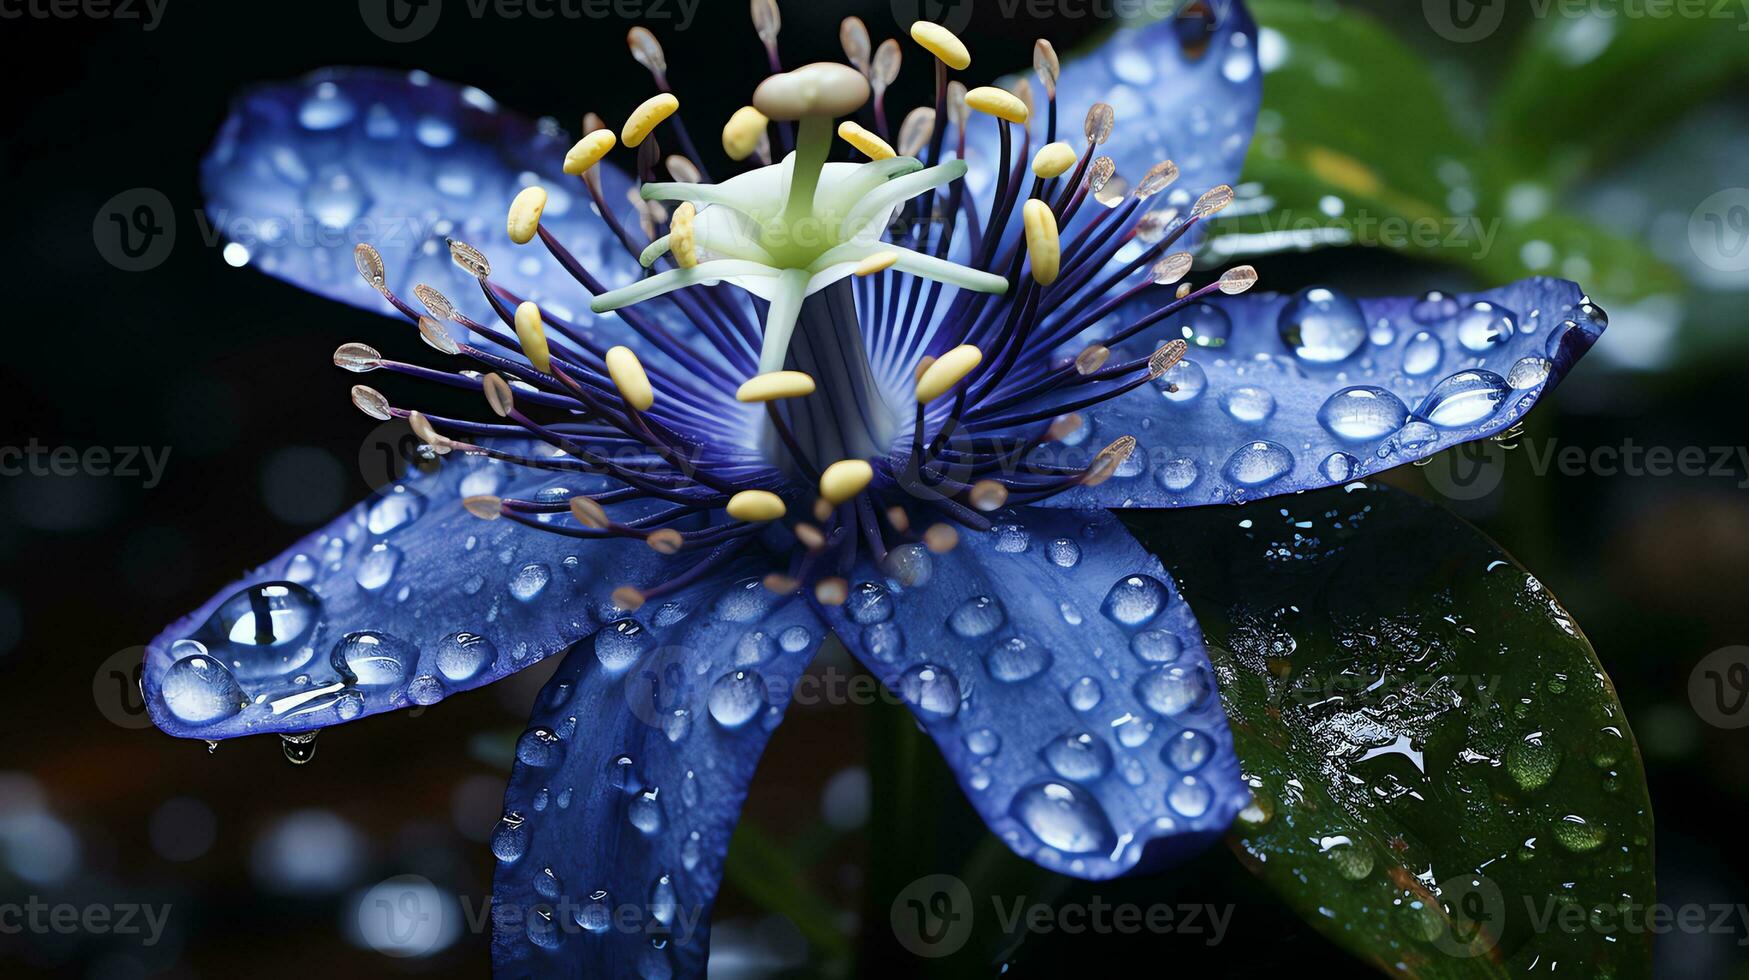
(1064, 817)
(1482, 326)
(1322, 326)
(978, 616)
(934, 691)
(1422, 354)
(736, 697)
(1016, 659)
(1256, 464)
(1172, 690)
(1078, 756)
(1363, 413)
(373, 659)
(1135, 600)
(462, 656)
(199, 690)
(1464, 398)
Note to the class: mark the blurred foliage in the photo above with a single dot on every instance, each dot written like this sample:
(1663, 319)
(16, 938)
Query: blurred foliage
(1361, 142)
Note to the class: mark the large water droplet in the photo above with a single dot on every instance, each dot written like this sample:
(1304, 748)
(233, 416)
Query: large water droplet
(510, 838)
(1422, 354)
(373, 659)
(1063, 552)
(1205, 325)
(393, 511)
(538, 747)
(1248, 404)
(1482, 326)
(1177, 474)
(1363, 413)
(1155, 646)
(1528, 372)
(1182, 382)
(869, 602)
(1064, 817)
(1189, 797)
(1464, 398)
(1171, 691)
(1016, 659)
(1135, 600)
(1258, 463)
(378, 566)
(1188, 750)
(1322, 326)
(978, 616)
(529, 580)
(1078, 756)
(1339, 467)
(198, 690)
(645, 811)
(884, 641)
(736, 697)
(620, 644)
(934, 691)
(462, 656)
(263, 630)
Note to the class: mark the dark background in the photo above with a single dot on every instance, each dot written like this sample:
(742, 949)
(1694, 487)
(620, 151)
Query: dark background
(230, 371)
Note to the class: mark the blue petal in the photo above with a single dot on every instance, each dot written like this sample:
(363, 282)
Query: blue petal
(303, 171)
(1311, 390)
(1185, 89)
(1066, 684)
(401, 601)
(629, 782)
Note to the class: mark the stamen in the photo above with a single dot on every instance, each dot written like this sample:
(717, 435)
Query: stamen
(589, 513)
(832, 591)
(371, 402)
(845, 479)
(941, 538)
(1046, 65)
(947, 370)
(628, 376)
(357, 358)
(647, 51)
(774, 385)
(1108, 460)
(987, 495)
(498, 396)
(680, 236)
(869, 144)
(993, 101)
(1053, 160)
(914, 131)
(484, 506)
(1101, 119)
(533, 335)
(756, 506)
(589, 151)
(743, 131)
(878, 262)
(1042, 246)
(942, 43)
(666, 541)
(853, 36)
(645, 118)
(525, 212)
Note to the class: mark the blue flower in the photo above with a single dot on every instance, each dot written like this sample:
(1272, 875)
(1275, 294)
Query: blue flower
(890, 394)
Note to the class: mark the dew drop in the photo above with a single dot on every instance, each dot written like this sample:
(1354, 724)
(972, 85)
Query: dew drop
(1078, 756)
(1063, 817)
(373, 659)
(199, 690)
(1322, 326)
(1135, 600)
(1016, 659)
(1422, 354)
(736, 697)
(1464, 398)
(978, 616)
(1482, 326)
(1172, 690)
(1362, 413)
(462, 656)
(934, 691)
(622, 643)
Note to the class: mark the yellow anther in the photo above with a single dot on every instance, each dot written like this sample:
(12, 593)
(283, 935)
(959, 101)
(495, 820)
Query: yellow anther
(878, 262)
(628, 598)
(756, 505)
(645, 118)
(628, 376)
(525, 211)
(743, 131)
(948, 370)
(845, 479)
(774, 385)
(1041, 241)
(1108, 460)
(832, 591)
(1053, 160)
(588, 151)
(484, 506)
(665, 541)
(681, 241)
(498, 394)
(533, 336)
(869, 144)
(942, 43)
(1000, 103)
(589, 513)
(941, 538)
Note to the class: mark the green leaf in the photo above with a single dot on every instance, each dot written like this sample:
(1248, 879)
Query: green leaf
(1585, 88)
(1445, 783)
(1357, 145)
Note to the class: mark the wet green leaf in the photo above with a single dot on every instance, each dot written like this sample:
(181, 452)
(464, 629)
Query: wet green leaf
(1578, 92)
(1357, 145)
(1445, 783)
